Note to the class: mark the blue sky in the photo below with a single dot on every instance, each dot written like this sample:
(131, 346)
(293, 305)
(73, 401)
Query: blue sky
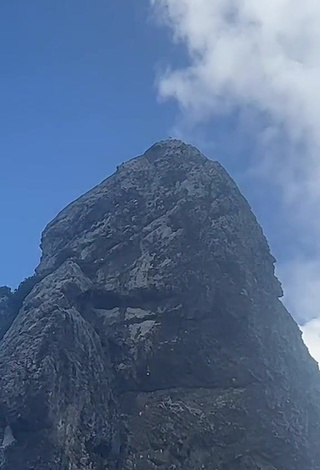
(79, 95)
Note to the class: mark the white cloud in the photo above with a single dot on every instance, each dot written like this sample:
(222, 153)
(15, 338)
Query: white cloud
(311, 336)
(258, 53)
(302, 295)
(263, 55)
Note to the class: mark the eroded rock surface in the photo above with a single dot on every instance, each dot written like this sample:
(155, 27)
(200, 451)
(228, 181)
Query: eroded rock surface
(155, 337)
(7, 311)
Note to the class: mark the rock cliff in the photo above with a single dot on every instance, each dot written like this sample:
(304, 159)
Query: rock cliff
(153, 337)
(6, 310)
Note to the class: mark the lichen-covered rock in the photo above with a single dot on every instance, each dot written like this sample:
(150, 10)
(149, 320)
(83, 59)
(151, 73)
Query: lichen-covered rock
(154, 337)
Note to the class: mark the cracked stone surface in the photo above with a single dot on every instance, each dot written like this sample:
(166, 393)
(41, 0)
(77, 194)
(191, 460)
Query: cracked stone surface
(155, 337)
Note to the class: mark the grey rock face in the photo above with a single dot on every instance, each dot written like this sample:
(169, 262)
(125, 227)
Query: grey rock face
(155, 337)
(7, 313)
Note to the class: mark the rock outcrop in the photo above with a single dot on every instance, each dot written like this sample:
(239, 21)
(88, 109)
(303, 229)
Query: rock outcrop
(154, 337)
(7, 311)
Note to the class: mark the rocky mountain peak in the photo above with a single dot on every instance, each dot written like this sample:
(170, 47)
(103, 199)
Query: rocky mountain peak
(152, 335)
(162, 196)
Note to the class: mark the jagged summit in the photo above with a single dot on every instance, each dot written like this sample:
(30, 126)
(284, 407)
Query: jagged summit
(154, 337)
(174, 149)
(150, 191)
(177, 152)
(172, 144)
(170, 141)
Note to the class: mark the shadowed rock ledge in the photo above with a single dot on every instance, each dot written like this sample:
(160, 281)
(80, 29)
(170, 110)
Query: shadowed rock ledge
(154, 337)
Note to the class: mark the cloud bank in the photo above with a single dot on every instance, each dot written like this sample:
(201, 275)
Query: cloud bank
(263, 55)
